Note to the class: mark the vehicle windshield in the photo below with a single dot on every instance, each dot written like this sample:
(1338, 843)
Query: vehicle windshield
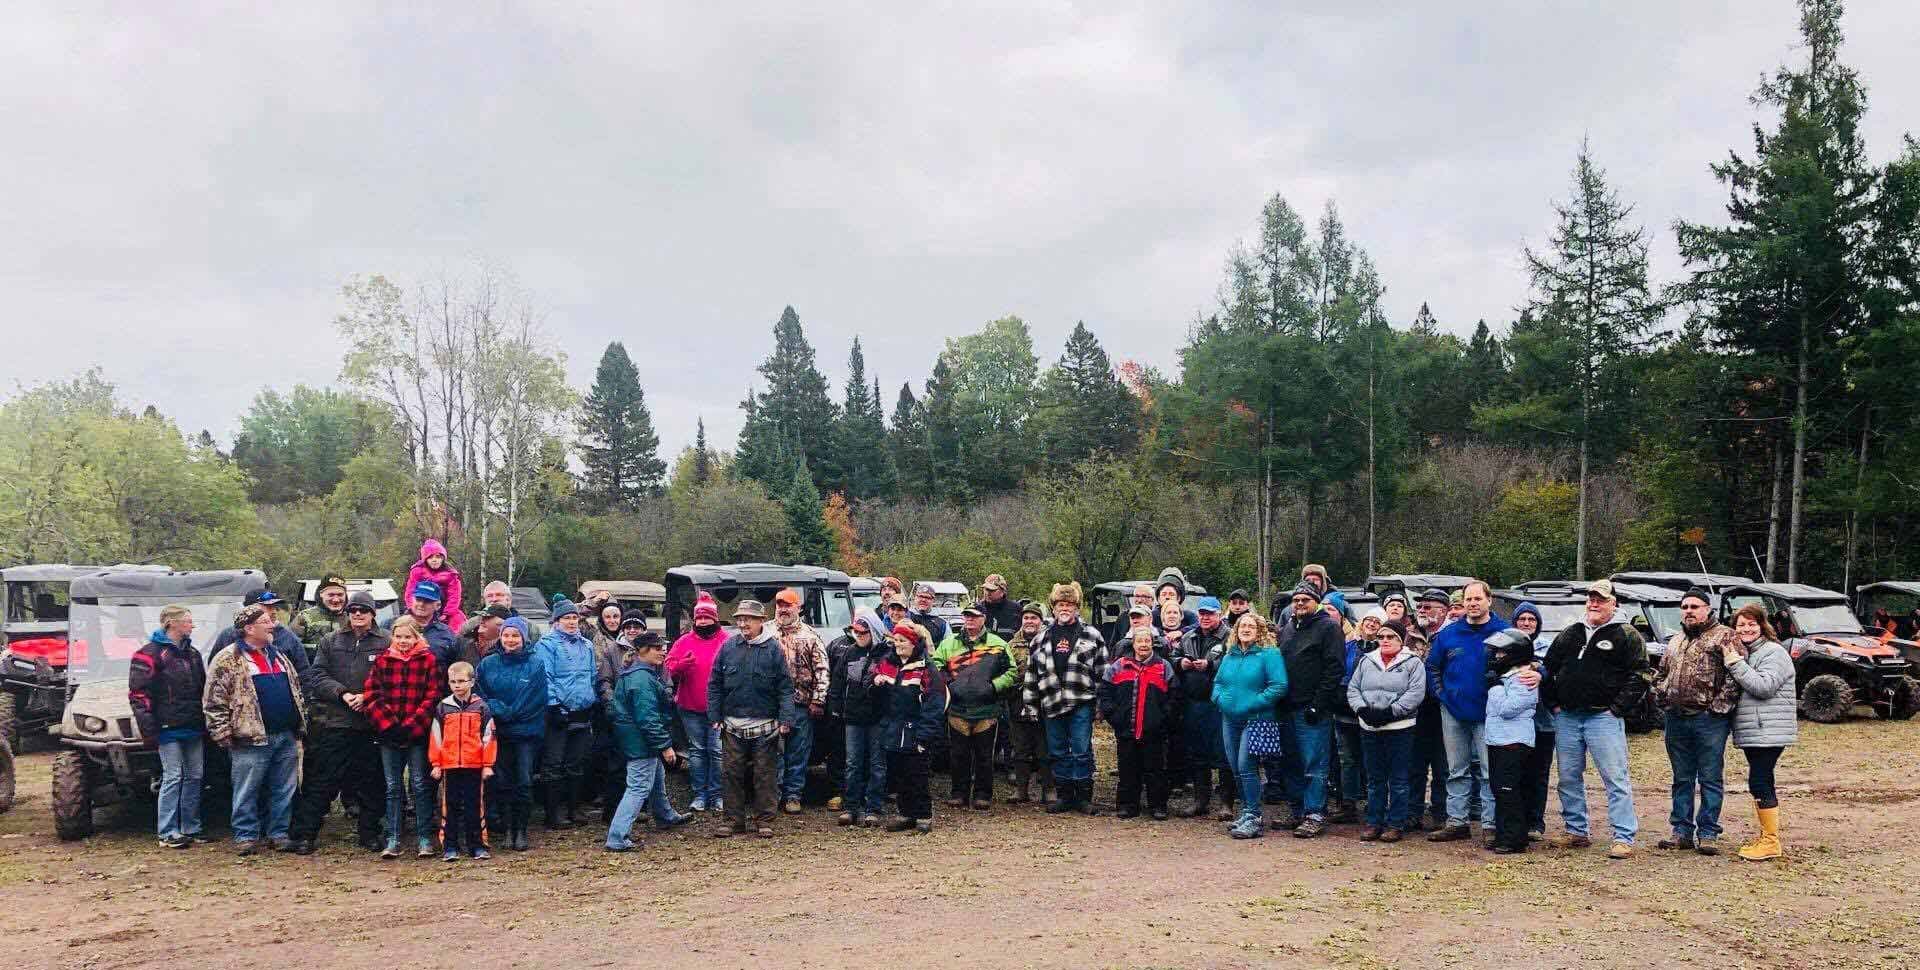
(1555, 617)
(105, 636)
(30, 602)
(1664, 619)
(866, 600)
(839, 607)
(1824, 618)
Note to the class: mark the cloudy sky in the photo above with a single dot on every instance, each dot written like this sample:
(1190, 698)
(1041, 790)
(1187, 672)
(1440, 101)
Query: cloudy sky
(187, 187)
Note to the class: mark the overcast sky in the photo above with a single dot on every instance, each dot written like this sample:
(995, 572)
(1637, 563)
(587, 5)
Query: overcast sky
(186, 191)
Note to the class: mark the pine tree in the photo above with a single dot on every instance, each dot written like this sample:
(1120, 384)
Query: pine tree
(995, 379)
(702, 456)
(809, 540)
(1084, 409)
(861, 468)
(1424, 322)
(911, 451)
(618, 445)
(794, 410)
(939, 415)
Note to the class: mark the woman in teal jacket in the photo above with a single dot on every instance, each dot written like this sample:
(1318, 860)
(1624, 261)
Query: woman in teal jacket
(1249, 681)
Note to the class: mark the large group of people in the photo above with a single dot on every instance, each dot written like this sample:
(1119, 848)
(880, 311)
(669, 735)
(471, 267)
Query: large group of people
(1426, 713)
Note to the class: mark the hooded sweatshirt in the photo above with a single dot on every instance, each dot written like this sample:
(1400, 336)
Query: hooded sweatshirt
(1542, 714)
(570, 665)
(690, 662)
(446, 577)
(1589, 666)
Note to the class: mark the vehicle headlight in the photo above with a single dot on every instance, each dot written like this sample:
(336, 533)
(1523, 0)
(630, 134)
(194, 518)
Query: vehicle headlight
(90, 724)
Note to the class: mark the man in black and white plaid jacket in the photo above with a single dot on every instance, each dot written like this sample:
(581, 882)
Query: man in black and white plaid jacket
(1061, 680)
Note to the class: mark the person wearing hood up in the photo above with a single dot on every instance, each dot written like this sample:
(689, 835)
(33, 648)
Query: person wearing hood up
(750, 701)
(433, 566)
(1526, 619)
(514, 682)
(1590, 669)
(852, 699)
(342, 756)
(165, 681)
(570, 664)
(689, 665)
(1171, 587)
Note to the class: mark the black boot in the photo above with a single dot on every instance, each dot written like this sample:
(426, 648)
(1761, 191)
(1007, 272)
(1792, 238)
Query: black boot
(1202, 794)
(553, 804)
(1086, 798)
(1069, 798)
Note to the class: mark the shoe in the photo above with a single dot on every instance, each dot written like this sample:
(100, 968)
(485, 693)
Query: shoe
(392, 850)
(1392, 835)
(176, 842)
(672, 823)
(791, 806)
(481, 854)
(1452, 832)
(1505, 850)
(283, 844)
(616, 847)
(1676, 842)
(1370, 834)
(869, 821)
(1535, 835)
(956, 802)
(699, 804)
(1344, 812)
(923, 826)
(1767, 844)
(1226, 813)
(1064, 803)
(900, 823)
(983, 804)
(425, 851)
(1158, 814)
(198, 838)
(764, 831)
(717, 806)
(451, 855)
(1249, 827)
(517, 839)
(1285, 818)
(1568, 840)
(1310, 827)
(1487, 840)
(833, 804)
(1620, 850)
(1707, 846)
(845, 819)
(303, 847)
(1085, 798)
(1127, 811)
(246, 847)
(730, 829)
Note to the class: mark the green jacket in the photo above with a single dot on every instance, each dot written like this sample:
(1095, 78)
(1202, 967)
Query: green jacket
(976, 674)
(639, 713)
(316, 623)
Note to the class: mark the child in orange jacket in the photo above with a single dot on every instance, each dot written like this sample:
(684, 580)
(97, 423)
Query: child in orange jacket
(462, 751)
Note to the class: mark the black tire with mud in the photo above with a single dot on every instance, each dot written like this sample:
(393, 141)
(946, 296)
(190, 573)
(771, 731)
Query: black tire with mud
(1826, 698)
(72, 796)
(10, 719)
(6, 776)
(1905, 700)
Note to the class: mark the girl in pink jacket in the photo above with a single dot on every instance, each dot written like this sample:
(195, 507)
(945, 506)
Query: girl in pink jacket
(434, 565)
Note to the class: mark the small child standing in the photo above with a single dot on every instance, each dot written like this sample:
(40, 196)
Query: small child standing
(1510, 734)
(462, 751)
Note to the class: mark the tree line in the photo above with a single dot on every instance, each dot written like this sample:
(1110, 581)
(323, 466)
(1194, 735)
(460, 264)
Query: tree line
(1756, 413)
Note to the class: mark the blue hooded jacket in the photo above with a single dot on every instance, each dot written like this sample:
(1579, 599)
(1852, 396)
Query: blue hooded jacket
(1542, 715)
(1457, 666)
(569, 662)
(515, 688)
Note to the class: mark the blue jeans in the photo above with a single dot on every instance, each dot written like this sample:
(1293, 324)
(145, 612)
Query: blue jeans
(703, 756)
(513, 770)
(1245, 765)
(866, 778)
(1466, 743)
(264, 769)
(1578, 734)
(1697, 747)
(182, 766)
(643, 790)
(398, 763)
(1305, 752)
(793, 757)
(1389, 758)
(1070, 744)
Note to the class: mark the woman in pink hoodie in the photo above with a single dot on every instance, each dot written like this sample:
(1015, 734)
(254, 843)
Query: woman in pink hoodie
(688, 665)
(434, 565)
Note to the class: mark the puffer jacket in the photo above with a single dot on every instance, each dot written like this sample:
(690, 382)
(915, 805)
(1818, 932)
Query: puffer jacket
(571, 665)
(1510, 706)
(1249, 684)
(1138, 697)
(1398, 687)
(1766, 715)
(1315, 649)
(340, 665)
(976, 673)
(165, 681)
(515, 686)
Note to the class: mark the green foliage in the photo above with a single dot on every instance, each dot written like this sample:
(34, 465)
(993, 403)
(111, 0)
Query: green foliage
(1103, 512)
(1220, 565)
(861, 467)
(298, 445)
(1082, 408)
(728, 520)
(967, 558)
(793, 418)
(912, 451)
(809, 540)
(618, 445)
(995, 377)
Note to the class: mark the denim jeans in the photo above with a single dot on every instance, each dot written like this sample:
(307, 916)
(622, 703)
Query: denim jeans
(643, 780)
(1578, 734)
(1351, 752)
(1697, 747)
(1467, 773)
(1245, 765)
(513, 769)
(182, 766)
(794, 755)
(1070, 744)
(406, 769)
(265, 770)
(1389, 759)
(703, 756)
(866, 780)
(1305, 753)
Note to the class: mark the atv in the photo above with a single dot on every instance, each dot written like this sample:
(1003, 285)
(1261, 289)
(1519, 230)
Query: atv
(33, 645)
(1837, 664)
(105, 761)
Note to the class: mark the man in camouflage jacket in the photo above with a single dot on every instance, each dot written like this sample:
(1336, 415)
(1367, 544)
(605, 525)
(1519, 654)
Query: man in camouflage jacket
(1699, 697)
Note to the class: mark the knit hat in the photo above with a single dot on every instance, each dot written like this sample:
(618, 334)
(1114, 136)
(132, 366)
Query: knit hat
(752, 608)
(1399, 627)
(429, 590)
(517, 623)
(705, 609)
(362, 600)
(1698, 593)
(1308, 589)
(911, 631)
(561, 606)
(1035, 607)
(1239, 594)
(1457, 596)
(631, 617)
(647, 640)
(331, 582)
(1374, 614)
(249, 615)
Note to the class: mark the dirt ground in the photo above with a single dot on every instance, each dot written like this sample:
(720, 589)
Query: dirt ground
(1015, 888)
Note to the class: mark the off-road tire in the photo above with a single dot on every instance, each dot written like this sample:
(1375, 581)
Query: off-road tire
(6, 776)
(72, 796)
(1904, 700)
(10, 719)
(1827, 698)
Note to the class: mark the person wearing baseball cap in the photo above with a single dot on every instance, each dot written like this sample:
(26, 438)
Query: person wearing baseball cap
(284, 639)
(425, 608)
(342, 756)
(1195, 655)
(1697, 693)
(974, 663)
(319, 621)
(750, 702)
(1029, 738)
(1591, 667)
(807, 665)
(1003, 613)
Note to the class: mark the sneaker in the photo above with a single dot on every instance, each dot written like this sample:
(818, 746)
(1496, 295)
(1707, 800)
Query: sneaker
(1710, 846)
(1504, 849)
(1248, 828)
(672, 823)
(1392, 835)
(392, 851)
(425, 850)
(765, 832)
(1451, 832)
(176, 842)
(1681, 842)
(450, 855)
(1620, 850)
(791, 807)
(869, 821)
(619, 847)
(246, 846)
(1535, 835)
(699, 805)
(198, 838)
(1370, 834)
(481, 854)
(1310, 827)
(1568, 840)
(833, 804)
(717, 806)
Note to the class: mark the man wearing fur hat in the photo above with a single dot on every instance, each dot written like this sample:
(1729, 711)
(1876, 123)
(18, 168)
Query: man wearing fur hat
(1061, 681)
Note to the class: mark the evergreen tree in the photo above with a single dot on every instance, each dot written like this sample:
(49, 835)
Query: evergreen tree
(862, 468)
(940, 417)
(795, 409)
(911, 451)
(1083, 408)
(618, 445)
(995, 378)
(762, 453)
(809, 540)
(1486, 362)
(702, 457)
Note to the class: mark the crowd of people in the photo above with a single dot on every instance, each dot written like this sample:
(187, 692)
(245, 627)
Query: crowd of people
(1426, 713)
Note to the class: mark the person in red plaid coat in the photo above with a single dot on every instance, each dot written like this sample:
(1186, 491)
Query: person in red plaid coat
(400, 695)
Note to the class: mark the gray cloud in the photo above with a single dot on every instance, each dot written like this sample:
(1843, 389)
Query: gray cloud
(189, 189)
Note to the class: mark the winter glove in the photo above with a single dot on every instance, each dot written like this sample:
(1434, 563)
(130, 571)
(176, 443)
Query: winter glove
(1377, 716)
(1313, 716)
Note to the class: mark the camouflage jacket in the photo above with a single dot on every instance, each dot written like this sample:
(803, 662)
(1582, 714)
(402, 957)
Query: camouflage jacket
(806, 662)
(1020, 651)
(1693, 673)
(316, 623)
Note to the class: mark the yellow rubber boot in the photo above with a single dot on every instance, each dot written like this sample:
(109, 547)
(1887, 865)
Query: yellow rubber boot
(1767, 846)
